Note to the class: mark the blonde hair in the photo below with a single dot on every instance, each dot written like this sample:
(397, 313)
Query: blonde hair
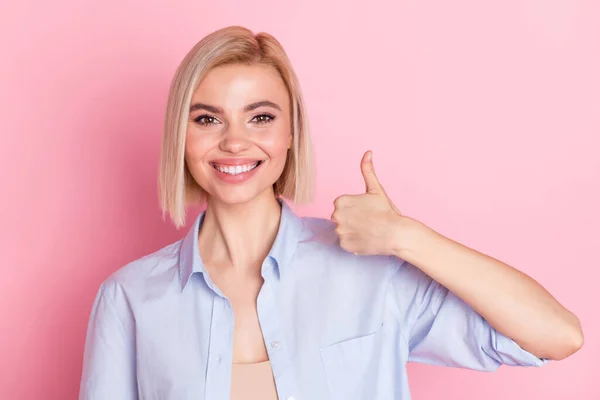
(235, 44)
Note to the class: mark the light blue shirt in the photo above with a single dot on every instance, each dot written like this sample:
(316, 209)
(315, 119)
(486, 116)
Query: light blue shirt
(336, 325)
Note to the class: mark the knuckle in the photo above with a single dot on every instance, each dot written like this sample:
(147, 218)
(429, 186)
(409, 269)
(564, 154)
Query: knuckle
(344, 244)
(336, 216)
(340, 201)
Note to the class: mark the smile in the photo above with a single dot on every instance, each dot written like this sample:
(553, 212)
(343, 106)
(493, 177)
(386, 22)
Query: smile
(235, 169)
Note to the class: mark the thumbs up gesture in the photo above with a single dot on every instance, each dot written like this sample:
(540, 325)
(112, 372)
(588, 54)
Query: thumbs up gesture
(367, 224)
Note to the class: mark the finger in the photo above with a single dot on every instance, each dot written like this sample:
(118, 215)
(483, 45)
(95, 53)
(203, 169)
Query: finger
(335, 216)
(372, 184)
(339, 202)
(345, 201)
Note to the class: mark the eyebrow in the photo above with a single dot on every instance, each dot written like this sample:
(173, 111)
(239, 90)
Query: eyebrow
(249, 107)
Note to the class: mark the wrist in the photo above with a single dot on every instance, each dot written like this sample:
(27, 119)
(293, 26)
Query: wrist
(410, 237)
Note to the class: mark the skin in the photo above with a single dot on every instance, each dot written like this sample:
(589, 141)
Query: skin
(370, 223)
(231, 250)
(367, 224)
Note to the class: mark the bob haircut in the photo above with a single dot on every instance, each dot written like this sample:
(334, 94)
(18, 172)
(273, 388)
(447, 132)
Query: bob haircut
(231, 45)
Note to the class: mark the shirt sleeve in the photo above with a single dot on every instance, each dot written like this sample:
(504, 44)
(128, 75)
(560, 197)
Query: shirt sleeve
(109, 355)
(444, 330)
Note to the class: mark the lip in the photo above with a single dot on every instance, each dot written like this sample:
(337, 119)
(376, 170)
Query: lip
(239, 178)
(234, 161)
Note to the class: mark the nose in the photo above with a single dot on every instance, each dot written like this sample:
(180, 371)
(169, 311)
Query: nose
(235, 140)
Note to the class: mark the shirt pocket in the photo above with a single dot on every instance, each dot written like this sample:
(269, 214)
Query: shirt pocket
(351, 366)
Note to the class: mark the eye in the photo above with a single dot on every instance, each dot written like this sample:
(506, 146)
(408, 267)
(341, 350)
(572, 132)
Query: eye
(263, 118)
(206, 120)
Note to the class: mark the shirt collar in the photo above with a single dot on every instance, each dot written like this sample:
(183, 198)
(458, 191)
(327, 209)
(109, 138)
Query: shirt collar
(286, 241)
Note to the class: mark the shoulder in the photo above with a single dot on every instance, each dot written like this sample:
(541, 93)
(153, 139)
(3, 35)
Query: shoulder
(320, 245)
(132, 279)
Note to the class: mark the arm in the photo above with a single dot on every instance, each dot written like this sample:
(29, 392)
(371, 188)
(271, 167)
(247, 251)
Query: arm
(535, 320)
(510, 301)
(441, 329)
(109, 356)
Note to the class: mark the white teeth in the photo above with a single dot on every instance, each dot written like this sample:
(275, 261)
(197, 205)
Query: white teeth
(234, 170)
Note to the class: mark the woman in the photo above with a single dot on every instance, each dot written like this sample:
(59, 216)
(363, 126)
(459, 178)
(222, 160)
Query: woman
(257, 303)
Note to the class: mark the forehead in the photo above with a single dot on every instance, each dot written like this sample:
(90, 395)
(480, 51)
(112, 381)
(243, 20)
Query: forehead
(235, 85)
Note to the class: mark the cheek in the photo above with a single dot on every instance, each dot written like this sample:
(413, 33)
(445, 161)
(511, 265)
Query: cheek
(276, 146)
(195, 147)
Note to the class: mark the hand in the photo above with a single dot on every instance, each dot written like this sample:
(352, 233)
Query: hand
(368, 223)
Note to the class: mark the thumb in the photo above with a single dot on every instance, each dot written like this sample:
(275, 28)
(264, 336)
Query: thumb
(372, 184)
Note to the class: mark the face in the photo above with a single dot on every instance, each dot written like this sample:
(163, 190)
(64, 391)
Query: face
(239, 132)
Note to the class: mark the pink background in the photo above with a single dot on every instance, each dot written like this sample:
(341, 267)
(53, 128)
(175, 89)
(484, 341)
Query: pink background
(484, 118)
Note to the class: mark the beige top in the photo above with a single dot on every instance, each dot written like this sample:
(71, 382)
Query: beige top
(252, 382)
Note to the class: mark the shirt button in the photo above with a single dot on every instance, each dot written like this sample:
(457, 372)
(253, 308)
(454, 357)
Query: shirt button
(275, 345)
(219, 359)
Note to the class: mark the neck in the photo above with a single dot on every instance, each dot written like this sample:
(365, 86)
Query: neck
(239, 235)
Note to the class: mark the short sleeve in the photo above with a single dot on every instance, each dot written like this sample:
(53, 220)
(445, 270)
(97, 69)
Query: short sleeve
(444, 330)
(109, 355)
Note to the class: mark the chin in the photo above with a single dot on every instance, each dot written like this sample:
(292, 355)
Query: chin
(237, 196)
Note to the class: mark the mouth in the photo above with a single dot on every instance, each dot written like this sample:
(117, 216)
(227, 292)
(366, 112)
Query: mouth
(236, 169)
